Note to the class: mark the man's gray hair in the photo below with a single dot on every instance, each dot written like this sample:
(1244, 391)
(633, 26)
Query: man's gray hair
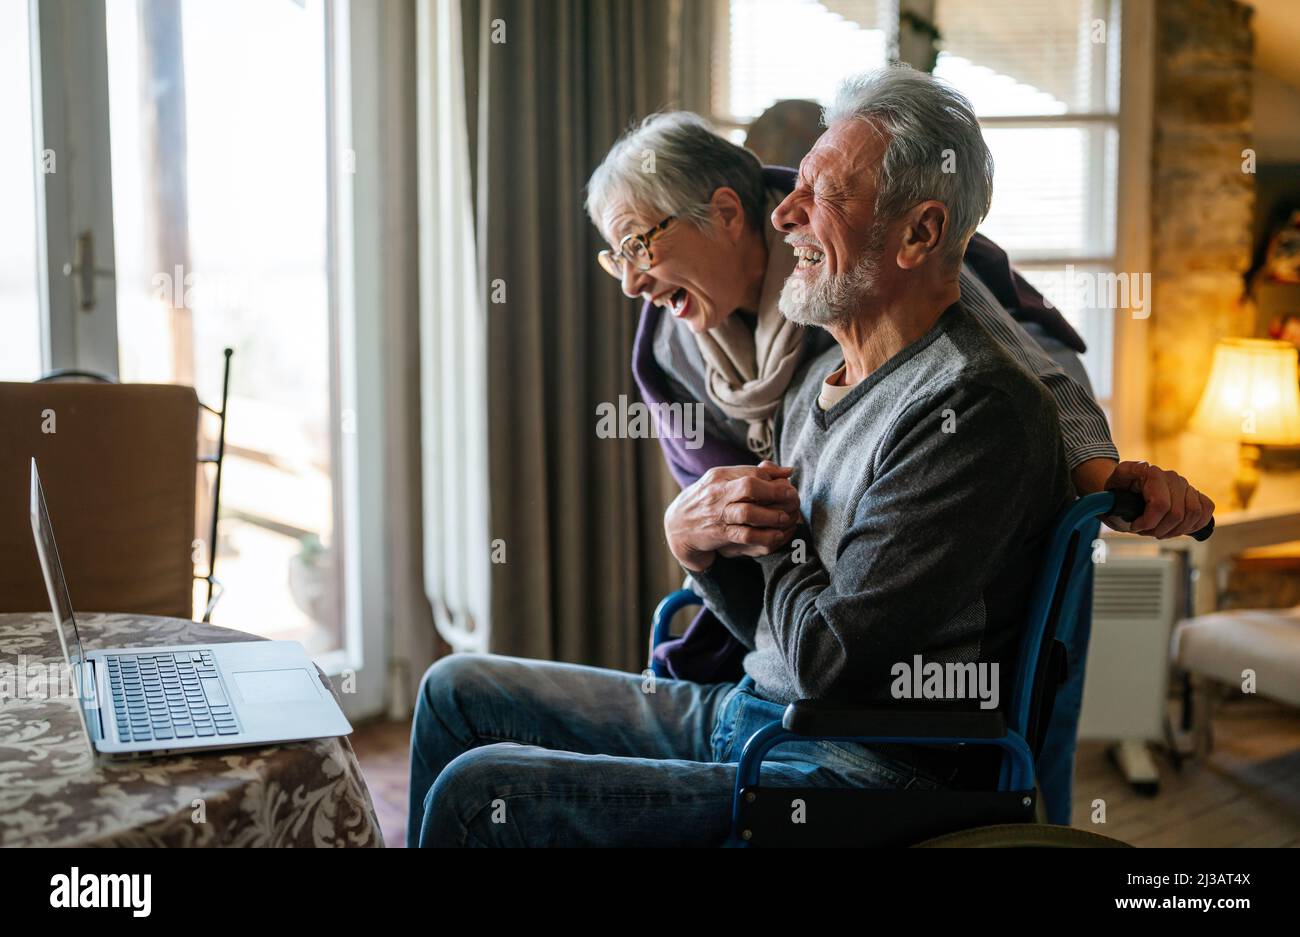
(935, 149)
(671, 164)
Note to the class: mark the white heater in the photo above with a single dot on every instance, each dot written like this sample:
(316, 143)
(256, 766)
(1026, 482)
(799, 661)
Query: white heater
(1125, 688)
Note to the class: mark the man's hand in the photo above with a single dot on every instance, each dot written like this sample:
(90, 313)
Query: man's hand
(742, 510)
(1174, 507)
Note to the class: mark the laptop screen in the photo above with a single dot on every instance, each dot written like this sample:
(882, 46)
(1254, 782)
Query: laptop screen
(60, 602)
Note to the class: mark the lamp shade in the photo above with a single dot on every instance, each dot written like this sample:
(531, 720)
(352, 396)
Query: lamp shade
(1253, 394)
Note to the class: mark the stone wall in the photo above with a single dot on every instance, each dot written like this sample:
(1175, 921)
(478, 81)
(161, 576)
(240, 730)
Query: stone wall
(1202, 204)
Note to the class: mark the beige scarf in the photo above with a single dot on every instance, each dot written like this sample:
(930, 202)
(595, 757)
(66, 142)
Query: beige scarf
(747, 372)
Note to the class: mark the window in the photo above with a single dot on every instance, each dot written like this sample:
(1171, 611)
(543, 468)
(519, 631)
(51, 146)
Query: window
(1044, 80)
(756, 64)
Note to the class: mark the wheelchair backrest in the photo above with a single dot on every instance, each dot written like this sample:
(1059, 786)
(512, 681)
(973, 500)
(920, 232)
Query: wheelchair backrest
(1053, 610)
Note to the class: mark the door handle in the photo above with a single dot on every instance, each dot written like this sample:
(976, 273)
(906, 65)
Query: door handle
(84, 271)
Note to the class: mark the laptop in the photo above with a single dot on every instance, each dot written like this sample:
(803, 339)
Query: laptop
(180, 698)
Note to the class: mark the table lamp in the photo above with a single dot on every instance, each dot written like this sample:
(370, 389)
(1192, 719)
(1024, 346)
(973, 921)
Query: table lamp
(1252, 397)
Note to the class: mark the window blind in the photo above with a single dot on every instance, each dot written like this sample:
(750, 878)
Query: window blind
(1015, 58)
(794, 49)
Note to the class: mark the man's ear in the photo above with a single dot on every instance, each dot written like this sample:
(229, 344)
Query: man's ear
(728, 212)
(924, 228)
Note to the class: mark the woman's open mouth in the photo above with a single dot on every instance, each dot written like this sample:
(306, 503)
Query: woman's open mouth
(680, 302)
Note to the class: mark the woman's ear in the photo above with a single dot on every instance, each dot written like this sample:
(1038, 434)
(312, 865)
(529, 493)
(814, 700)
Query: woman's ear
(728, 212)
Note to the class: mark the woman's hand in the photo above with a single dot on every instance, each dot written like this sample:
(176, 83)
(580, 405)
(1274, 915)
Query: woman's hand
(1174, 507)
(743, 510)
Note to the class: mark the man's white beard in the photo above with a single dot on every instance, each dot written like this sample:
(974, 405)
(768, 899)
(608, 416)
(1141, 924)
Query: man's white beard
(833, 299)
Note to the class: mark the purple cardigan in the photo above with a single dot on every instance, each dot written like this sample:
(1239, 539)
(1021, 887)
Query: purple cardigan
(707, 652)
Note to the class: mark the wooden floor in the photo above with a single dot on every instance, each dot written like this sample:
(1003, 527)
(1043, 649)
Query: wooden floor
(383, 748)
(1247, 793)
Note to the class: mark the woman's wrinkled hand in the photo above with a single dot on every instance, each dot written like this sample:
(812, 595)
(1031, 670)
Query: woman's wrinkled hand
(1173, 506)
(742, 510)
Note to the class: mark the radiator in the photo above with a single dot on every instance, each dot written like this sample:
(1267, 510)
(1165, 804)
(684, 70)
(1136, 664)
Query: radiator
(1133, 611)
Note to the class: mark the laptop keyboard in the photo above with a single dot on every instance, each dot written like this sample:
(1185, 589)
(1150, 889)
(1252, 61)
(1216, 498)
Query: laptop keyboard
(162, 697)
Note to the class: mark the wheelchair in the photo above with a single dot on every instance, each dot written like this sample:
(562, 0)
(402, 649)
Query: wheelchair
(1010, 814)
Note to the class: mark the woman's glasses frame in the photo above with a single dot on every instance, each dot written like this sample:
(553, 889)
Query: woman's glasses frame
(633, 249)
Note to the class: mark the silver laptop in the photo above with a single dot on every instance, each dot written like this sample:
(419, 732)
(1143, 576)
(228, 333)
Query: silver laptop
(157, 700)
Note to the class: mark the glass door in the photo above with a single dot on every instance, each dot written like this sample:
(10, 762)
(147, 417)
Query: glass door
(74, 199)
(220, 195)
(197, 209)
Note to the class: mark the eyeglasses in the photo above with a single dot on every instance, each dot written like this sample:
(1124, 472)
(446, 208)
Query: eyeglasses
(633, 249)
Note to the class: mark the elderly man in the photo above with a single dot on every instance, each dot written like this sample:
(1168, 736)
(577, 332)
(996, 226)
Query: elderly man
(917, 541)
(910, 535)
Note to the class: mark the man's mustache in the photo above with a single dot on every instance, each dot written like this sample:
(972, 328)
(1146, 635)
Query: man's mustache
(803, 240)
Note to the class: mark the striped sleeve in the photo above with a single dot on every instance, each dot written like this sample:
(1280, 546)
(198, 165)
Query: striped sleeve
(1084, 429)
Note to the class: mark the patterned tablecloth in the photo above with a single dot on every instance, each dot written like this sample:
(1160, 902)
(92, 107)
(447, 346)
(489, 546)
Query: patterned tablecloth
(53, 792)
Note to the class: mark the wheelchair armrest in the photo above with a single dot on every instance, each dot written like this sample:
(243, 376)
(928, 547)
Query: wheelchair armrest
(937, 720)
(669, 606)
(938, 723)
(661, 623)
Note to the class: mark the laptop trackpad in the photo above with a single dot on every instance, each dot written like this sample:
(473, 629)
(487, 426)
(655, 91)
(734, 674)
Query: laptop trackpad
(276, 686)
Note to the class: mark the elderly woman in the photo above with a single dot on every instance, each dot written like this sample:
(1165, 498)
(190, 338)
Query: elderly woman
(686, 215)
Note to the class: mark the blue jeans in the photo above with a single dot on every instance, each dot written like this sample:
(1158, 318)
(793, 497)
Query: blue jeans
(511, 752)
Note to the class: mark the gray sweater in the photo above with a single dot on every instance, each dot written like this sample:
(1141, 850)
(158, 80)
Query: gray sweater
(929, 489)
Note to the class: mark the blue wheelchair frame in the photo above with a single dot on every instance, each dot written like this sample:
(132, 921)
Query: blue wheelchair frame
(1057, 596)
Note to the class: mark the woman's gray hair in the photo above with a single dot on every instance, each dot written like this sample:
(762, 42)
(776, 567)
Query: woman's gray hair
(935, 149)
(671, 164)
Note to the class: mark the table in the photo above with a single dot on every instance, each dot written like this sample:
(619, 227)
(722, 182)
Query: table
(1234, 532)
(53, 792)
(1208, 566)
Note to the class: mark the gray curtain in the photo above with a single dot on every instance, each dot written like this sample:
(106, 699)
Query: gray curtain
(581, 517)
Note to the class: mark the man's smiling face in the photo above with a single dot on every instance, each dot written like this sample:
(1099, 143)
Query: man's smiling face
(830, 221)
